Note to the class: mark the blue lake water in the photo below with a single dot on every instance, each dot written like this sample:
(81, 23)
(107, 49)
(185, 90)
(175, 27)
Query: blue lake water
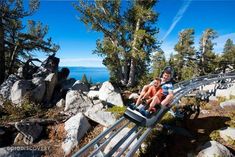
(97, 74)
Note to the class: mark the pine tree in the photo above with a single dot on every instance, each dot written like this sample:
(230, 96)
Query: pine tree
(205, 56)
(84, 79)
(128, 36)
(159, 62)
(184, 60)
(228, 56)
(15, 42)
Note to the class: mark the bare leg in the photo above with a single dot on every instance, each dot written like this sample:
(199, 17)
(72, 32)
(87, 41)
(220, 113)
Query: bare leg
(155, 101)
(144, 90)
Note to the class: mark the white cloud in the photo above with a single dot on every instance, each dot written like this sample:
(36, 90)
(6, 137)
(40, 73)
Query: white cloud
(85, 62)
(177, 18)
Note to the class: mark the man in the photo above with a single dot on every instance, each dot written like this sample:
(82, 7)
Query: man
(166, 93)
(150, 93)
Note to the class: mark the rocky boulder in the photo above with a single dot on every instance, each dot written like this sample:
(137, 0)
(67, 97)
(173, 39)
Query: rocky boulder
(133, 96)
(76, 127)
(20, 152)
(213, 148)
(93, 94)
(5, 88)
(38, 92)
(68, 84)
(110, 95)
(19, 91)
(80, 86)
(76, 101)
(51, 81)
(228, 105)
(104, 118)
(60, 103)
(228, 134)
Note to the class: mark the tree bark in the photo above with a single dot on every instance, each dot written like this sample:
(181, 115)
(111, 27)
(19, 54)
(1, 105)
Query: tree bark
(12, 59)
(131, 80)
(2, 53)
(125, 72)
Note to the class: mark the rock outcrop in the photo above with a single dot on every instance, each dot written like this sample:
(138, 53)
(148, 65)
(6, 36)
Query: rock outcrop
(213, 148)
(110, 95)
(76, 127)
(228, 134)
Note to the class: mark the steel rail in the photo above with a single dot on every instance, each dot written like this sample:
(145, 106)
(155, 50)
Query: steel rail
(185, 87)
(108, 139)
(96, 140)
(122, 141)
(139, 142)
(129, 142)
(178, 96)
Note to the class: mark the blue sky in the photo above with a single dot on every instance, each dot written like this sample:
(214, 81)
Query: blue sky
(77, 41)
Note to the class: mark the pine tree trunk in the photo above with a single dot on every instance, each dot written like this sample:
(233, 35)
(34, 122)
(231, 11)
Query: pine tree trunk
(2, 53)
(125, 72)
(131, 80)
(203, 55)
(12, 60)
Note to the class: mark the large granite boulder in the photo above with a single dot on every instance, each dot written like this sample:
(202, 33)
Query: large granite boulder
(133, 96)
(76, 101)
(60, 103)
(19, 91)
(51, 81)
(31, 89)
(228, 105)
(104, 118)
(93, 94)
(226, 92)
(213, 148)
(5, 88)
(22, 151)
(38, 92)
(68, 84)
(76, 127)
(80, 86)
(228, 134)
(110, 95)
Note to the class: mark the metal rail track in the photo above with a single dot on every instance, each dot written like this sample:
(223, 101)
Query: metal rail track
(183, 88)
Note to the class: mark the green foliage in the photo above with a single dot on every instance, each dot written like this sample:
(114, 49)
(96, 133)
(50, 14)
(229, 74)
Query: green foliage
(159, 62)
(205, 56)
(228, 56)
(215, 136)
(184, 62)
(231, 123)
(19, 43)
(128, 36)
(118, 111)
(11, 112)
(167, 119)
